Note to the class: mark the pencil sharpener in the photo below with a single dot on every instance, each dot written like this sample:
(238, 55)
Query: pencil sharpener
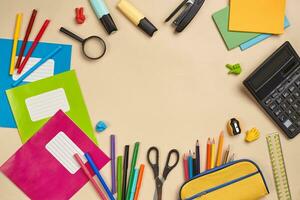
(234, 127)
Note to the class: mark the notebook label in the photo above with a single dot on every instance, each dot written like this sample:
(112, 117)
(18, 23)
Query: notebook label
(63, 149)
(44, 71)
(47, 104)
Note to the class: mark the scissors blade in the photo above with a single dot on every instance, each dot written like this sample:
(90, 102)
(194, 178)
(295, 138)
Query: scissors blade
(158, 190)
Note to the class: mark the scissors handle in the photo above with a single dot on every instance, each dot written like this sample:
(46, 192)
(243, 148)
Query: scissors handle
(169, 167)
(69, 33)
(154, 166)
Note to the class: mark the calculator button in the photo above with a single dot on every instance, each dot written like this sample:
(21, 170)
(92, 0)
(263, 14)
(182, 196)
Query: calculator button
(289, 111)
(292, 88)
(284, 105)
(287, 123)
(295, 106)
(268, 101)
(290, 99)
(281, 89)
(292, 128)
(282, 117)
(294, 116)
(279, 100)
(275, 94)
(296, 94)
(285, 94)
(272, 106)
(277, 112)
(297, 82)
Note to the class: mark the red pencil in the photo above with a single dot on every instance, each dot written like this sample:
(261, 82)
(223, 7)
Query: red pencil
(186, 168)
(34, 44)
(208, 154)
(139, 182)
(25, 40)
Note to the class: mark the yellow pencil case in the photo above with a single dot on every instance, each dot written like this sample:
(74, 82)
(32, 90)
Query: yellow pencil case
(237, 180)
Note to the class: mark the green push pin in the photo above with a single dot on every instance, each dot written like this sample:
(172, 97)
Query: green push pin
(234, 69)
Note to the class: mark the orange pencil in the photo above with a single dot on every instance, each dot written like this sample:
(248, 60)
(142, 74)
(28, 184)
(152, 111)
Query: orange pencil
(139, 182)
(220, 149)
(208, 154)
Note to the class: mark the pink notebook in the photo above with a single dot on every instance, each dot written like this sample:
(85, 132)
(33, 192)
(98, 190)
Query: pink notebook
(44, 167)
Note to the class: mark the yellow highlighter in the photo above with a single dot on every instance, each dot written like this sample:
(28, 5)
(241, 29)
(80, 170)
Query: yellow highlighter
(15, 43)
(136, 17)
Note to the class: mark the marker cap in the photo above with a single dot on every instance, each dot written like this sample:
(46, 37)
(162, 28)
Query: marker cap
(147, 26)
(108, 23)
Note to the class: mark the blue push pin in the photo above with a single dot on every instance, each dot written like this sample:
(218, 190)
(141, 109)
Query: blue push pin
(100, 126)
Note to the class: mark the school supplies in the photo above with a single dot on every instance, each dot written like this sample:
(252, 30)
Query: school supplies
(139, 181)
(33, 46)
(275, 85)
(101, 126)
(187, 15)
(159, 180)
(220, 149)
(79, 15)
(96, 171)
(234, 127)
(89, 53)
(252, 135)
(125, 168)
(136, 17)
(34, 103)
(208, 154)
(212, 154)
(234, 69)
(186, 167)
(134, 182)
(190, 164)
(113, 162)
(50, 153)
(26, 37)
(231, 158)
(88, 174)
(257, 16)
(132, 167)
(197, 157)
(36, 66)
(16, 38)
(119, 175)
(278, 167)
(226, 154)
(59, 63)
(103, 15)
(194, 164)
(237, 180)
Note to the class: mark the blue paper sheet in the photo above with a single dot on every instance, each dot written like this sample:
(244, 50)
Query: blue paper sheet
(62, 63)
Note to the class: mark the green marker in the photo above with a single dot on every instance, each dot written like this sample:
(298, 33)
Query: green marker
(132, 167)
(119, 177)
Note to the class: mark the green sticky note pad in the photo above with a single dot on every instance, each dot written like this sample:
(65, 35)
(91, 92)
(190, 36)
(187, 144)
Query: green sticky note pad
(232, 39)
(34, 103)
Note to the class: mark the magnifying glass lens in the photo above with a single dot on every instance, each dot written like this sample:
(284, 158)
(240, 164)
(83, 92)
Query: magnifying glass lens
(94, 47)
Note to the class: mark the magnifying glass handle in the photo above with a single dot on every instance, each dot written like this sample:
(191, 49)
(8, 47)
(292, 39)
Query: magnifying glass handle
(69, 33)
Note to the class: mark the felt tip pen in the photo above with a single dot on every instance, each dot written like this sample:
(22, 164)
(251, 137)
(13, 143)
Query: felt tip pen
(136, 17)
(103, 15)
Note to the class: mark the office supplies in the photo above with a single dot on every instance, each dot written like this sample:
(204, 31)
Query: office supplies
(257, 16)
(33, 46)
(197, 157)
(234, 69)
(194, 164)
(119, 175)
(208, 154)
(226, 154)
(186, 167)
(139, 181)
(79, 16)
(50, 153)
(213, 153)
(187, 15)
(190, 165)
(103, 15)
(220, 149)
(252, 135)
(59, 92)
(136, 17)
(36, 66)
(26, 37)
(278, 167)
(101, 126)
(159, 180)
(59, 63)
(15, 43)
(234, 127)
(89, 53)
(241, 179)
(132, 167)
(96, 171)
(113, 162)
(231, 158)
(87, 172)
(125, 168)
(275, 85)
(134, 182)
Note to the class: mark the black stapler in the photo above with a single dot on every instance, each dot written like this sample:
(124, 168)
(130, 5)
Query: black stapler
(191, 9)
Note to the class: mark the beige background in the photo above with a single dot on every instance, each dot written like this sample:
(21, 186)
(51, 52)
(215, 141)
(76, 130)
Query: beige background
(167, 91)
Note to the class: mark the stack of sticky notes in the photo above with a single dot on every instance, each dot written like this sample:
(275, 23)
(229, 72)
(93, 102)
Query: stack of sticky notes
(247, 22)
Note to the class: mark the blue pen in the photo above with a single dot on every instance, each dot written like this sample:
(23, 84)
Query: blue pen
(135, 177)
(96, 171)
(103, 15)
(36, 66)
(190, 161)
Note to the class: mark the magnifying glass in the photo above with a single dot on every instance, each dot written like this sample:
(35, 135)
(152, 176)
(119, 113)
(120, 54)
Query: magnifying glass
(93, 47)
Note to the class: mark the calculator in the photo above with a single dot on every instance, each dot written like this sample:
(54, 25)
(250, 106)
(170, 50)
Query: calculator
(275, 85)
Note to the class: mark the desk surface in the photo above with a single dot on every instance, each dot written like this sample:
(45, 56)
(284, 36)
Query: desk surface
(166, 91)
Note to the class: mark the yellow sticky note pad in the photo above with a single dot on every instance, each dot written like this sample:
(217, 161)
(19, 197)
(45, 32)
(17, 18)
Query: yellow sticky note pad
(259, 16)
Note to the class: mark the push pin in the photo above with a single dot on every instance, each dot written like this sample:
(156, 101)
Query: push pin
(80, 17)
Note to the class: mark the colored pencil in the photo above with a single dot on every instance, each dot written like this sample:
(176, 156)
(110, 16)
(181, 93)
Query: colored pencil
(198, 157)
(231, 158)
(33, 46)
(213, 154)
(194, 164)
(15, 43)
(190, 162)
(139, 182)
(96, 171)
(132, 167)
(225, 157)
(25, 40)
(87, 173)
(36, 66)
(113, 163)
(185, 167)
(134, 182)
(220, 149)
(119, 175)
(208, 154)
(125, 168)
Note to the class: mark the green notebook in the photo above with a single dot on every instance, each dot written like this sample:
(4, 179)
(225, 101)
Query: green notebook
(34, 103)
(232, 39)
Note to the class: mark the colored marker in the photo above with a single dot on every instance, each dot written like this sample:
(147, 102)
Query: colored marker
(134, 182)
(132, 167)
(113, 163)
(139, 181)
(119, 175)
(125, 168)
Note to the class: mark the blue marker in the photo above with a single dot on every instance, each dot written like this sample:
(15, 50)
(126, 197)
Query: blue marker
(135, 177)
(103, 15)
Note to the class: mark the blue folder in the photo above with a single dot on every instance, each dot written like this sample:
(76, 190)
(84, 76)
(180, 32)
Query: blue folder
(62, 63)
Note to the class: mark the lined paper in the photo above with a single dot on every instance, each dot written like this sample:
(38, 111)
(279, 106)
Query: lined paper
(47, 104)
(44, 71)
(63, 149)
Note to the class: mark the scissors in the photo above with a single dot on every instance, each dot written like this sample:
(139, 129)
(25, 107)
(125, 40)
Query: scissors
(159, 180)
